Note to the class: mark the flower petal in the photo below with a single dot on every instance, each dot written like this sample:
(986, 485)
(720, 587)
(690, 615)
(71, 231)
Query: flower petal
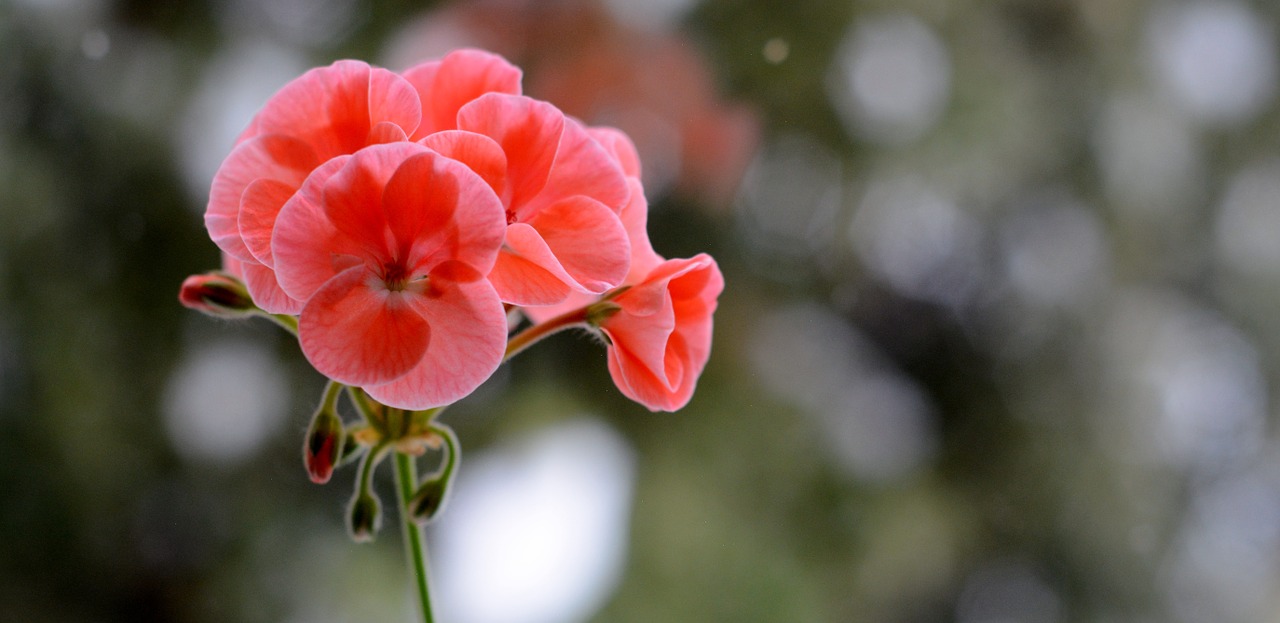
(468, 339)
(617, 143)
(356, 332)
(266, 156)
(265, 290)
(304, 244)
(479, 152)
(581, 167)
(661, 338)
(334, 108)
(446, 85)
(259, 206)
(587, 240)
(528, 132)
(522, 282)
(353, 195)
(635, 219)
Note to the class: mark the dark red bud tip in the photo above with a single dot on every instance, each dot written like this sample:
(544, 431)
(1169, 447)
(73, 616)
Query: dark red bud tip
(364, 518)
(324, 441)
(217, 294)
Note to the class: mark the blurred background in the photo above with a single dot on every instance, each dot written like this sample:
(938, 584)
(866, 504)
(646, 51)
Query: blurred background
(997, 342)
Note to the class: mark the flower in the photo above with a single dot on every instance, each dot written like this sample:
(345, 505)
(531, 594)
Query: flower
(562, 191)
(328, 112)
(659, 332)
(658, 324)
(388, 248)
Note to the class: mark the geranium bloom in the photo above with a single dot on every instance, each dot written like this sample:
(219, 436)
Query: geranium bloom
(660, 338)
(562, 192)
(389, 248)
(328, 112)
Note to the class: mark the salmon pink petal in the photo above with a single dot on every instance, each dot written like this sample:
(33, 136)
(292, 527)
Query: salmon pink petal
(265, 290)
(267, 156)
(392, 101)
(446, 85)
(635, 219)
(479, 152)
(620, 145)
(581, 167)
(660, 339)
(358, 333)
(305, 246)
(352, 196)
(334, 108)
(419, 201)
(639, 383)
(642, 328)
(386, 132)
(468, 339)
(522, 282)
(587, 239)
(528, 132)
(259, 206)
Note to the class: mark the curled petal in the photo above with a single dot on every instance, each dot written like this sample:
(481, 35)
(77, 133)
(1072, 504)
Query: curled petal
(469, 335)
(355, 331)
(446, 85)
(587, 241)
(661, 336)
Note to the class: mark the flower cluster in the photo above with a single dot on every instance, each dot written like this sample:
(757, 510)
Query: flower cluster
(401, 217)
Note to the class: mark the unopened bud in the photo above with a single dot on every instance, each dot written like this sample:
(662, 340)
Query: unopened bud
(429, 499)
(217, 294)
(364, 517)
(324, 442)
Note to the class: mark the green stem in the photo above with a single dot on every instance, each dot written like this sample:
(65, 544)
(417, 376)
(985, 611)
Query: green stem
(451, 443)
(416, 549)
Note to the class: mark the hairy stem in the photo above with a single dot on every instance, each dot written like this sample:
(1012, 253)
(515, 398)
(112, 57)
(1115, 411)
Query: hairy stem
(415, 546)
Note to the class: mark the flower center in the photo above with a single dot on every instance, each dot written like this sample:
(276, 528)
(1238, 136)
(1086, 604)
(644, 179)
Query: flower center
(396, 276)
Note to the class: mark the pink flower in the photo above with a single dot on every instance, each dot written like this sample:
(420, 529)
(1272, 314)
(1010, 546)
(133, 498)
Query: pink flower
(562, 191)
(634, 218)
(660, 337)
(389, 248)
(328, 112)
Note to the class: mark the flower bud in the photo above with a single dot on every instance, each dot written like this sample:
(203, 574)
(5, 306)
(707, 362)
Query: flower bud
(324, 442)
(217, 294)
(429, 499)
(364, 517)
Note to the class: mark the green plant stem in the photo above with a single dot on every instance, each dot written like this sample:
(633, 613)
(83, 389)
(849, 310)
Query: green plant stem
(416, 548)
(451, 444)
